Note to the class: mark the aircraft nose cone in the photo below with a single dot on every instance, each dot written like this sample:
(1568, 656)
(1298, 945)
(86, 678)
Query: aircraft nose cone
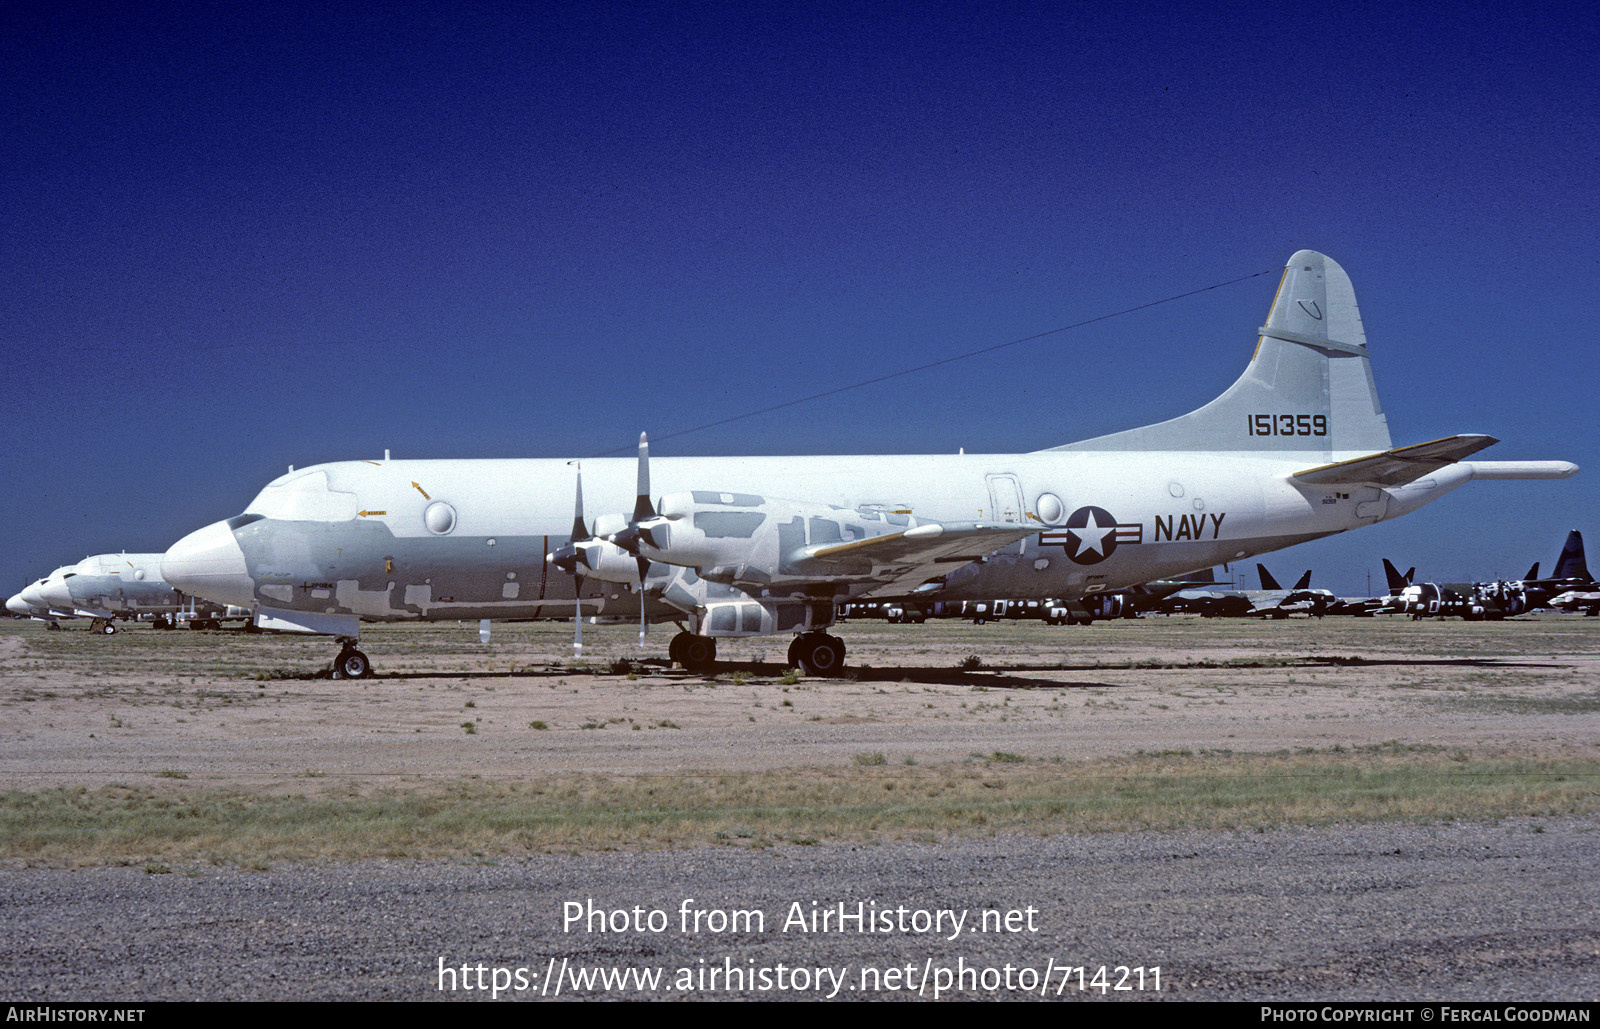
(56, 594)
(34, 595)
(208, 563)
(17, 606)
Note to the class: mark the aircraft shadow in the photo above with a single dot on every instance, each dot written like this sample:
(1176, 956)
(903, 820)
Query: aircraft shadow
(1010, 676)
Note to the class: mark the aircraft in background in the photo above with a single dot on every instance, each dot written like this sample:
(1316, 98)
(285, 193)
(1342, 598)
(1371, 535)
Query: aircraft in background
(1586, 601)
(1570, 586)
(1474, 601)
(106, 587)
(1296, 449)
(30, 602)
(1270, 601)
(1132, 602)
(1366, 607)
(1565, 590)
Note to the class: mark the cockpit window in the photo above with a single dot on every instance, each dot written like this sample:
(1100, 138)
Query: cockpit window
(304, 498)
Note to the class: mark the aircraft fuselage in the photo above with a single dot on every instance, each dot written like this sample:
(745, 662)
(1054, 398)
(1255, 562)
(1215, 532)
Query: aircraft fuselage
(362, 538)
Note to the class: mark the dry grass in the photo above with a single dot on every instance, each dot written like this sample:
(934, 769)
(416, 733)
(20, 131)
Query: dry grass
(865, 801)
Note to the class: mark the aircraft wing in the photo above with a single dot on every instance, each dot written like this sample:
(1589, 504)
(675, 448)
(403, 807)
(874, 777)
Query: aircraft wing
(902, 561)
(1396, 467)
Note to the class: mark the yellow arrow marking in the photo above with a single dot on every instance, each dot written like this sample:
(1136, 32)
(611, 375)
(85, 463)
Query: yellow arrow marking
(364, 514)
(423, 492)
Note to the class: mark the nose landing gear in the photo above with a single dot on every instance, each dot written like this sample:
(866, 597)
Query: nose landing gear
(351, 663)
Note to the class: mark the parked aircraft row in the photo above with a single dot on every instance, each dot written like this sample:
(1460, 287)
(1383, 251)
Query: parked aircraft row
(1298, 448)
(106, 587)
(1571, 588)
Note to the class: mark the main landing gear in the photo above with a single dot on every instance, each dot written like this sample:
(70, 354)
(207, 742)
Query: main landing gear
(351, 663)
(817, 652)
(695, 653)
(104, 626)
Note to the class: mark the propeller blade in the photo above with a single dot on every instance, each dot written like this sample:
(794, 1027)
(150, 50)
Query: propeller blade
(642, 507)
(580, 532)
(577, 617)
(644, 626)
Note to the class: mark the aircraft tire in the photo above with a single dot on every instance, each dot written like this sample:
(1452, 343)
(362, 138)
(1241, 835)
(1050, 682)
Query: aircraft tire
(821, 654)
(351, 664)
(675, 647)
(109, 628)
(698, 653)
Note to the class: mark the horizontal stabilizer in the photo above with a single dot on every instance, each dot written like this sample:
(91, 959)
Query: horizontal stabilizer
(908, 559)
(1396, 467)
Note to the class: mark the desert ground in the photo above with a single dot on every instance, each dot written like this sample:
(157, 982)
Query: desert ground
(1335, 809)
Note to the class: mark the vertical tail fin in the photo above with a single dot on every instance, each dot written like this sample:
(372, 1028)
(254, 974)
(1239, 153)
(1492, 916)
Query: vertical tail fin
(1308, 388)
(1571, 564)
(1305, 581)
(1267, 581)
(1397, 582)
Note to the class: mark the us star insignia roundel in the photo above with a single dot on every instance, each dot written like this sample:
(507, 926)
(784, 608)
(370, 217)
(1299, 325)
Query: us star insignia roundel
(1091, 535)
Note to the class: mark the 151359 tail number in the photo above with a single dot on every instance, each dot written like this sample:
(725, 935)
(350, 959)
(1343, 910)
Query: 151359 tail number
(1288, 424)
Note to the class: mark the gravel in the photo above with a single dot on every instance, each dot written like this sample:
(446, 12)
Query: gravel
(1505, 911)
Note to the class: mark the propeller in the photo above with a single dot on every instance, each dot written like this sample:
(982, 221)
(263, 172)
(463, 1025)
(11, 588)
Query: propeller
(590, 554)
(628, 538)
(569, 557)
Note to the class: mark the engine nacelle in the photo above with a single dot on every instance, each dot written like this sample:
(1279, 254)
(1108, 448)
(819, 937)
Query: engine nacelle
(1109, 605)
(746, 540)
(596, 559)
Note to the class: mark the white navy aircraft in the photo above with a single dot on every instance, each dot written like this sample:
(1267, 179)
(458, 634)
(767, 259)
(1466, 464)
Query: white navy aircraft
(1298, 448)
(106, 587)
(30, 602)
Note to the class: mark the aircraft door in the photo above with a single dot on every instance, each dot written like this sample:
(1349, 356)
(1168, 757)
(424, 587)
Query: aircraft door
(1005, 498)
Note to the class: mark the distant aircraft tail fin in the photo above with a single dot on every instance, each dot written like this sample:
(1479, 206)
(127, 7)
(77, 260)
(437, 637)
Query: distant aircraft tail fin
(1199, 578)
(1267, 581)
(1397, 582)
(1533, 573)
(1571, 564)
(1305, 581)
(1308, 388)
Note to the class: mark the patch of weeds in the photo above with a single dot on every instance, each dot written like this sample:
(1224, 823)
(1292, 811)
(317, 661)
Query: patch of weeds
(172, 773)
(871, 759)
(537, 724)
(970, 663)
(156, 868)
(789, 677)
(471, 727)
(1005, 757)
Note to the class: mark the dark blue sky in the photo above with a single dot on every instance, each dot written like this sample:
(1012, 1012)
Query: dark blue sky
(237, 238)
